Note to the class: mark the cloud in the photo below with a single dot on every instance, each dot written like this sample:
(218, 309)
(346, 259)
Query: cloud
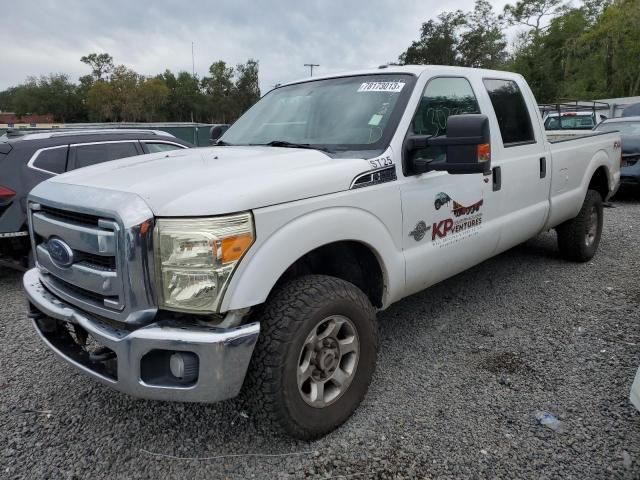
(150, 37)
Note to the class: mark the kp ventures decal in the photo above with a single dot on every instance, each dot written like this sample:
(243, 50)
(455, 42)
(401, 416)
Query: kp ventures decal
(453, 225)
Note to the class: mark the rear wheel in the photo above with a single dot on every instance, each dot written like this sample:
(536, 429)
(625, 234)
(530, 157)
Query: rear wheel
(579, 237)
(315, 357)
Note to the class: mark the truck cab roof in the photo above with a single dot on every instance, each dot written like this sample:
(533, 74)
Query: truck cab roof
(415, 70)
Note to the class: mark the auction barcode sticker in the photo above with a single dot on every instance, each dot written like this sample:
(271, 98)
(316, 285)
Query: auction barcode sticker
(393, 87)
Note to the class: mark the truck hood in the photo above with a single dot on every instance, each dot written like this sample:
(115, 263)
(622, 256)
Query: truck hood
(218, 180)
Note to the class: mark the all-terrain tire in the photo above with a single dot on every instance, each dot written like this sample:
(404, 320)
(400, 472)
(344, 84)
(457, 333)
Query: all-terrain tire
(31, 262)
(290, 315)
(578, 238)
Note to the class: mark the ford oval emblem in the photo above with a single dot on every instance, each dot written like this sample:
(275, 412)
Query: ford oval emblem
(60, 252)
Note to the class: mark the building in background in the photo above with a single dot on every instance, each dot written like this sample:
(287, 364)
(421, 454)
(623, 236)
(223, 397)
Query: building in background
(11, 120)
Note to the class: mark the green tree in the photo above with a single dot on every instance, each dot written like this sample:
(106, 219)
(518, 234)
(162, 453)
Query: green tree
(100, 63)
(49, 94)
(7, 99)
(438, 42)
(482, 43)
(545, 58)
(100, 102)
(154, 94)
(127, 103)
(247, 86)
(27, 98)
(219, 90)
(187, 98)
(614, 45)
(581, 53)
(471, 39)
(532, 13)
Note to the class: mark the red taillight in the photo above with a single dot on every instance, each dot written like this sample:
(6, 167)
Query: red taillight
(6, 193)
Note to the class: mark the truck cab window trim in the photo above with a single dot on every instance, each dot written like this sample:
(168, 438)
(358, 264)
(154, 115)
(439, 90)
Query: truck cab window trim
(531, 131)
(34, 157)
(405, 169)
(165, 142)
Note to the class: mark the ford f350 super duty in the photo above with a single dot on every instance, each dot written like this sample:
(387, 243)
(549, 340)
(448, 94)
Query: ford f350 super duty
(259, 264)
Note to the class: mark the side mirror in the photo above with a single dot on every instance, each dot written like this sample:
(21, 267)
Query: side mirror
(467, 143)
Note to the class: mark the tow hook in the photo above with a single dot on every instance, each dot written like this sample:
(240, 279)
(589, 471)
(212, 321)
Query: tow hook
(101, 354)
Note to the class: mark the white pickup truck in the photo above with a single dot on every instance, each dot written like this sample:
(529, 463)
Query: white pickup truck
(259, 264)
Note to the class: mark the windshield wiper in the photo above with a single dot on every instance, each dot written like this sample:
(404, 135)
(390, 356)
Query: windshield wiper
(285, 144)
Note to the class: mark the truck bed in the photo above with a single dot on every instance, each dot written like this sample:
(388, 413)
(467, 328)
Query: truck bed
(574, 154)
(557, 136)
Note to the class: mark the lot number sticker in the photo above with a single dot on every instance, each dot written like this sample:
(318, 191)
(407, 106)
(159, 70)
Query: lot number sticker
(392, 87)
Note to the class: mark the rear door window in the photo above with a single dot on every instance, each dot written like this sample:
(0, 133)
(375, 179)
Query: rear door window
(92, 154)
(52, 160)
(511, 111)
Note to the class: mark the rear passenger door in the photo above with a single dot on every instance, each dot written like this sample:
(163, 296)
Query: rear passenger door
(521, 166)
(86, 154)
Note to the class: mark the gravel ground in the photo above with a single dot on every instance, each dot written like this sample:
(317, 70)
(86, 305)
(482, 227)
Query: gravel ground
(462, 370)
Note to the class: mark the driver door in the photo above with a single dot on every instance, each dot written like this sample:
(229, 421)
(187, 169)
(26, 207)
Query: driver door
(449, 220)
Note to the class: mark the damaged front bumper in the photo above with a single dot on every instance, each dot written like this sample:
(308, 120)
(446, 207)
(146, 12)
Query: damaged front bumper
(138, 362)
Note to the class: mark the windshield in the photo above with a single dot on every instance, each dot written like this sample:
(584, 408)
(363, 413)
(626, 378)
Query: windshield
(625, 128)
(336, 114)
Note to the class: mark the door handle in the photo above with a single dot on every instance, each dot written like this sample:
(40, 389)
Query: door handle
(543, 167)
(497, 179)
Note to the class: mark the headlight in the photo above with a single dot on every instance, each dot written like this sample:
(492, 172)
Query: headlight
(196, 257)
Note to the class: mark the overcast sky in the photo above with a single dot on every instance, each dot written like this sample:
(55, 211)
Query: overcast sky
(40, 37)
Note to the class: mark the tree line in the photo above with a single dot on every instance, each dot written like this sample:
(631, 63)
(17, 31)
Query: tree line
(587, 51)
(565, 52)
(115, 93)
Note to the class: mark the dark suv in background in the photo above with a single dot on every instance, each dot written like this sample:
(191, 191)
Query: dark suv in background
(26, 159)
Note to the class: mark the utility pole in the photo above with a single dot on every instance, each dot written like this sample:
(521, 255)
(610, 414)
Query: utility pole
(311, 65)
(193, 63)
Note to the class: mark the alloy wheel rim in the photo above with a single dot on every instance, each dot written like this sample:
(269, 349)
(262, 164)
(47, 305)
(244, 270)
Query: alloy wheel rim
(592, 229)
(328, 361)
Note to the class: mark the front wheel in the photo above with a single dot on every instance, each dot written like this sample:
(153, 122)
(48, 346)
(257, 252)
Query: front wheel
(315, 356)
(579, 237)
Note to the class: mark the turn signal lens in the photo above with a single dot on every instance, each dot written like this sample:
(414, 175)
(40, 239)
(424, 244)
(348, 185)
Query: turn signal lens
(234, 247)
(484, 152)
(6, 193)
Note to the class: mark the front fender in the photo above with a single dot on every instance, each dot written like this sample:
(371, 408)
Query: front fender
(266, 261)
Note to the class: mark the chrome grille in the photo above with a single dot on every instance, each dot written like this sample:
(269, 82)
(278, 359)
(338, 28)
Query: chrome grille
(92, 280)
(109, 234)
(77, 217)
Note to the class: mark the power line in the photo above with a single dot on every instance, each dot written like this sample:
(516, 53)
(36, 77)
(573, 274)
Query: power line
(311, 65)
